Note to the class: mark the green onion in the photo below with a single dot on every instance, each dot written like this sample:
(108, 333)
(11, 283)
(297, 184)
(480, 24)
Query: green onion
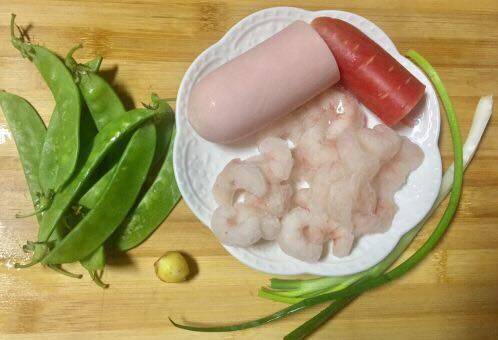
(304, 330)
(375, 277)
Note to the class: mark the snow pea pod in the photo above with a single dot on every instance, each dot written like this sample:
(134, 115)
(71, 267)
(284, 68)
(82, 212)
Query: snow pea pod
(61, 144)
(29, 133)
(95, 262)
(103, 103)
(104, 106)
(103, 142)
(151, 211)
(93, 194)
(113, 205)
(87, 134)
(164, 129)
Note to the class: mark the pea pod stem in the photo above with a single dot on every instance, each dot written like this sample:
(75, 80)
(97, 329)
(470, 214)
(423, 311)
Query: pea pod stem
(97, 278)
(95, 264)
(33, 213)
(40, 250)
(63, 271)
(42, 203)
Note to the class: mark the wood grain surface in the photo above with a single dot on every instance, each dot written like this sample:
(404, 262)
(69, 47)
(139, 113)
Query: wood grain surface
(147, 46)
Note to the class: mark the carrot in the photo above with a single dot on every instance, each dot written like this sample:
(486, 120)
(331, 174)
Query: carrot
(378, 80)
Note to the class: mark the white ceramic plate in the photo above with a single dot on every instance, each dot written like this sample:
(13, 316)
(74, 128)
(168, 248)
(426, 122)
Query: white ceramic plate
(198, 162)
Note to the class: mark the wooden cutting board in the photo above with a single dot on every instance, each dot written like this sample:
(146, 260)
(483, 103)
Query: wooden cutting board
(147, 46)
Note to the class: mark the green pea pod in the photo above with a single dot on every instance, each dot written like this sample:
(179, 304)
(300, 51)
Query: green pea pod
(152, 208)
(164, 132)
(95, 100)
(93, 194)
(29, 134)
(95, 263)
(102, 101)
(104, 141)
(165, 129)
(151, 211)
(87, 134)
(61, 145)
(104, 106)
(114, 204)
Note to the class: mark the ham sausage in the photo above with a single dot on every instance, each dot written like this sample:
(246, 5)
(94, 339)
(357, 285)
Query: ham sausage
(378, 80)
(262, 84)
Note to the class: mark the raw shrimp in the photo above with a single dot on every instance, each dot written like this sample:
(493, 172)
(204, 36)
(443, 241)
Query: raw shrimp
(338, 100)
(236, 226)
(366, 211)
(365, 224)
(277, 161)
(288, 127)
(332, 194)
(393, 175)
(355, 157)
(270, 227)
(318, 117)
(298, 238)
(381, 141)
(324, 177)
(367, 199)
(337, 128)
(276, 202)
(341, 200)
(303, 198)
(342, 239)
(238, 175)
(348, 113)
(318, 210)
(390, 179)
(312, 151)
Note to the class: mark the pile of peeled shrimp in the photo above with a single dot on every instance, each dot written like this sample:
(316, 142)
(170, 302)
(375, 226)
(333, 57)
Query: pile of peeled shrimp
(321, 175)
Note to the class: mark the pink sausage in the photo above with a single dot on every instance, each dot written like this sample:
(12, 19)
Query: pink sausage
(262, 84)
